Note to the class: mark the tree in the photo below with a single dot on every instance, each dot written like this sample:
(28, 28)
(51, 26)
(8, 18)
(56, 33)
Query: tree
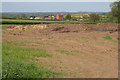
(94, 17)
(115, 11)
(68, 17)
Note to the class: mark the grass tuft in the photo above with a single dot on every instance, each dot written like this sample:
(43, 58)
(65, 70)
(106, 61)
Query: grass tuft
(63, 51)
(107, 37)
(110, 38)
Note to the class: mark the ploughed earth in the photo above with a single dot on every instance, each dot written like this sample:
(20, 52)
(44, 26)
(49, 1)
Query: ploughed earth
(78, 50)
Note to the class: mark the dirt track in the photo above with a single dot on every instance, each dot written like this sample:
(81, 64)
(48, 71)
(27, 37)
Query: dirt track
(90, 56)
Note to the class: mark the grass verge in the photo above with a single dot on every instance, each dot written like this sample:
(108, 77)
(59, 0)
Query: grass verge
(17, 62)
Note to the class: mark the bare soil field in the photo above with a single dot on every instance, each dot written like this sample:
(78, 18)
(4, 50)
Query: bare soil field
(78, 50)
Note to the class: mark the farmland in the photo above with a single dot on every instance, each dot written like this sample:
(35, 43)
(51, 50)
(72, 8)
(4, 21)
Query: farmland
(14, 21)
(27, 22)
(60, 50)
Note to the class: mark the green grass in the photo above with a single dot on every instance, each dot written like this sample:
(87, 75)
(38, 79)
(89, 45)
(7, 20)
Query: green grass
(19, 44)
(17, 62)
(107, 37)
(63, 51)
(115, 41)
(20, 21)
(28, 22)
(19, 69)
(23, 52)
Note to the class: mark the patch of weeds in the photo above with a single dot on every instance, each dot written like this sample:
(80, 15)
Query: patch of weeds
(33, 45)
(19, 69)
(118, 42)
(63, 51)
(37, 54)
(14, 43)
(107, 37)
(84, 37)
(41, 43)
(70, 39)
(115, 41)
(7, 42)
(35, 59)
(19, 44)
(24, 53)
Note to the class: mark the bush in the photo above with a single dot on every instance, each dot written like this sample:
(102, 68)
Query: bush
(94, 17)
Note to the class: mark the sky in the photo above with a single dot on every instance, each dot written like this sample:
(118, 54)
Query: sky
(58, 0)
(56, 6)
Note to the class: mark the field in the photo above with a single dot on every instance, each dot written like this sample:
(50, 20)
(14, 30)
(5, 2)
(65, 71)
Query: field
(28, 22)
(60, 51)
(14, 21)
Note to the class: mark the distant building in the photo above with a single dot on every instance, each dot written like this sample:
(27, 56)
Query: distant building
(37, 18)
(57, 17)
(32, 17)
(40, 17)
(51, 17)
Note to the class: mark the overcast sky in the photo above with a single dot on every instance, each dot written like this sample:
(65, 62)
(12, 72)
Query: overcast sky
(55, 6)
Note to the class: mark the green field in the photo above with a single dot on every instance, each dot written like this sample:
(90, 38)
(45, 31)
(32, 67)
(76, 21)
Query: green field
(26, 22)
(18, 62)
(15, 21)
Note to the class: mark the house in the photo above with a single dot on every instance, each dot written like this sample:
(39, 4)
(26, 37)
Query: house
(39, 17)
(59, 17)
(36, 17)
(51, 17)
(32, 17)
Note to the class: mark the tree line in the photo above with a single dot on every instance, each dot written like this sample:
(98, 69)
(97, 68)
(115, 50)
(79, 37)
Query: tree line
(113, 15)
